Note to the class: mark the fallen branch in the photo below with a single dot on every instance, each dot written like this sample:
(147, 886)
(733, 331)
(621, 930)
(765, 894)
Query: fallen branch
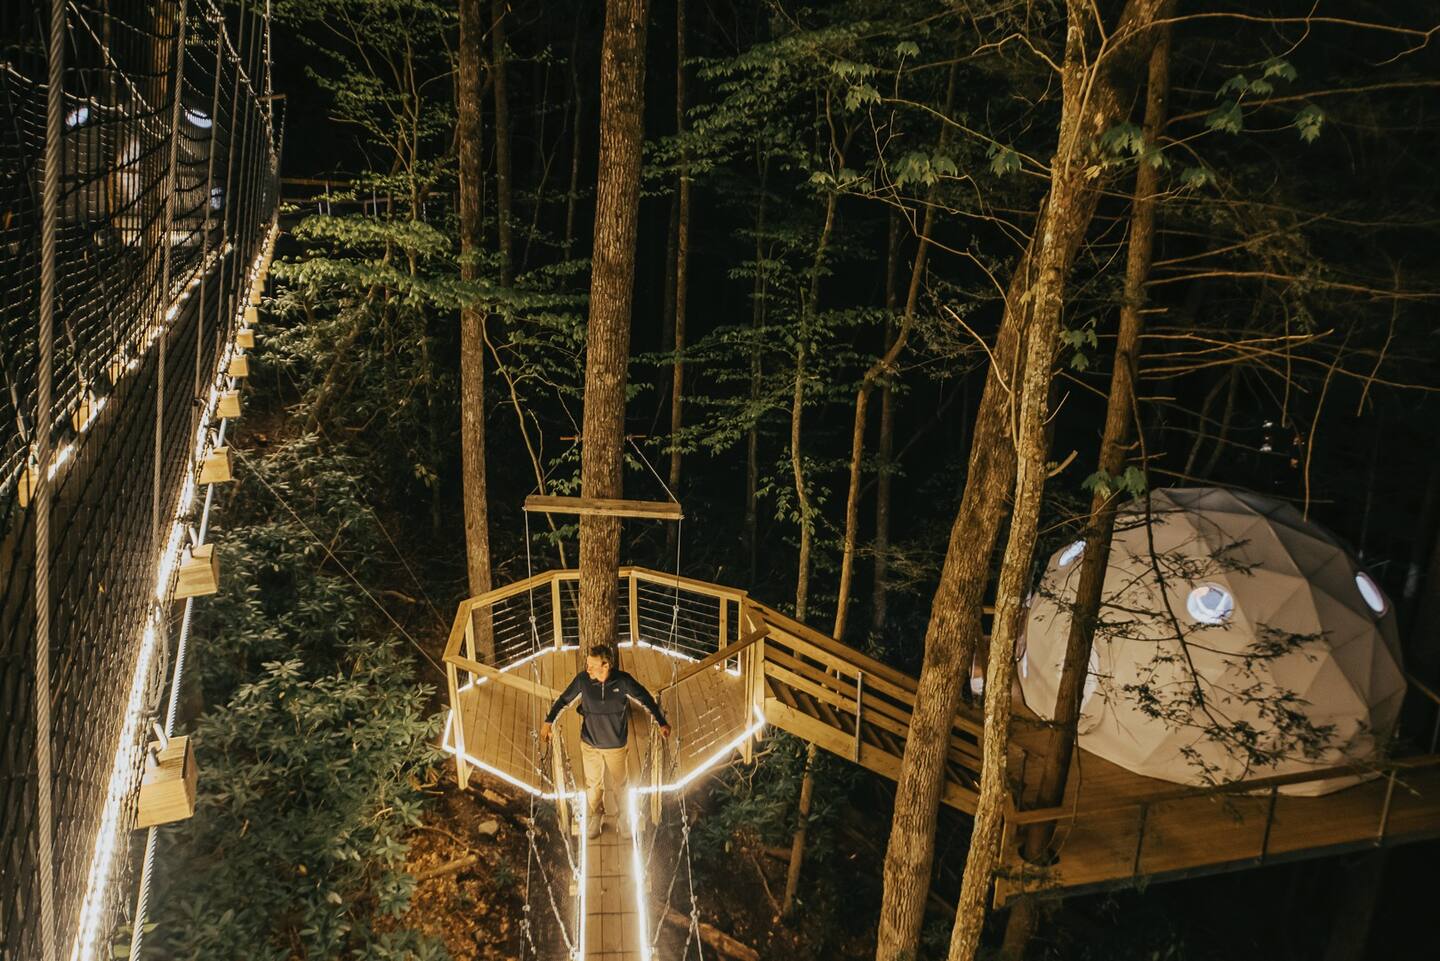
(449, 867)
(714, 937)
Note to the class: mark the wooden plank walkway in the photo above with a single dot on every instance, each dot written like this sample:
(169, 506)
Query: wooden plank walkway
(612, 925)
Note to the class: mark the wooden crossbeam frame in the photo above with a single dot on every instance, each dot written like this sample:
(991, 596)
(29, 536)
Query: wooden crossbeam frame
(604, 506)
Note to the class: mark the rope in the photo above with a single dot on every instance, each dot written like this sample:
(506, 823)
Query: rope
(49, 218)
(339, 563)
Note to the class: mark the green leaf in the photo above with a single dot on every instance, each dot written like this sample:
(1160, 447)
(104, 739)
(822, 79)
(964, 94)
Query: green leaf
(1278, 67)
(1196, 177)
(1309, 122)
(1236, 84)
(907, 48)
(1227, 119)
(1122, 139)
(859, 95)
(1003, 160)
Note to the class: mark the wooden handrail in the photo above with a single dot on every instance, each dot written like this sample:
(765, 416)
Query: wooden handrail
(684, 583)
(457, 630)
(604, 506)
(1066, 812)
(510, 679)
(724, 654)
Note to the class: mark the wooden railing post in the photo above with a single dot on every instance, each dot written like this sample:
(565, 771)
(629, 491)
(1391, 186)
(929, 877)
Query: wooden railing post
(859, 711)
(1269, 822)
(634, 608)
(470, 635)
(747, 683)
(557, 620)
(1140, 839)
(1385, 810)
(457, 718)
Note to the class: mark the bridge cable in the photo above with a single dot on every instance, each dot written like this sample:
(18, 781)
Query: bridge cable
(49, 218)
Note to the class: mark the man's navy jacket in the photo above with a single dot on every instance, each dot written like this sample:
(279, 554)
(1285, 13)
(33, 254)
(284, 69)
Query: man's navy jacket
(605, 720)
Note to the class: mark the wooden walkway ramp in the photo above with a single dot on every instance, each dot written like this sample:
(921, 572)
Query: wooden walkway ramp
(726, 666)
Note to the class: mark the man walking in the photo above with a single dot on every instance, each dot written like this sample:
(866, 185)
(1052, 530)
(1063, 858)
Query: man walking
(605, 693)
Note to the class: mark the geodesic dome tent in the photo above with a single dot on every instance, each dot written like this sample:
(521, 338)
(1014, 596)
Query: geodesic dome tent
(1235, 640)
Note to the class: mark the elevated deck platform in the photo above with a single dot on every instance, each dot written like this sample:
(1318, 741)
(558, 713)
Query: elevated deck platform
(725, 666)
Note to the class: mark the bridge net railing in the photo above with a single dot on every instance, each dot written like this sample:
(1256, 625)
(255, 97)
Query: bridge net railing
(167, 191)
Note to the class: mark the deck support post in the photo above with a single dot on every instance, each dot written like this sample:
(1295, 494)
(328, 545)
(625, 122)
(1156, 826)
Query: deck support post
(457, 718)
(557, 772)
(747, 680)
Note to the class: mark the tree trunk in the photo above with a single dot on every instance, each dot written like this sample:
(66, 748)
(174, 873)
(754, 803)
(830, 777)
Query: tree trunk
(682, 254)
(1354, 908)
(612, 288)
(503, 188)
(954, 616)
(882, 367)
(472, 319)
(752, 436)
(1119, 414)
(802, 578)
(885, 450)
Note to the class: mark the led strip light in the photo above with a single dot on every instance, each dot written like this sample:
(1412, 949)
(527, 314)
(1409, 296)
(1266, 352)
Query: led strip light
(129, 754)
(637, 871)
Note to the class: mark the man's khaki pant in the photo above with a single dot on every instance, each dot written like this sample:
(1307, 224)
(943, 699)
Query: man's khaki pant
(601, 766)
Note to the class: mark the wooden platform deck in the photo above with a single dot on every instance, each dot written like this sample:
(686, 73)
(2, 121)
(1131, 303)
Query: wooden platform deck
(744, 664)
(501, 722)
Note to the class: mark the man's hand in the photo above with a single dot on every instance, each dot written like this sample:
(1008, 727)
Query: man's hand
(545, 729)
(664, 730)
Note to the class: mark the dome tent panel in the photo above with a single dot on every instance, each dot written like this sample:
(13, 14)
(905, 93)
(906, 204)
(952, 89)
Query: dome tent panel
(1296, 669)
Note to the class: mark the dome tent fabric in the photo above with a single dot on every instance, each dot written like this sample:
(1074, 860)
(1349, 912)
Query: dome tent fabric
(1235, 640)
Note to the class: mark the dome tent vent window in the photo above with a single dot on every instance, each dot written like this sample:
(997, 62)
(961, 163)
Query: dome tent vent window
(1370, 592)
(1210, 604)
(1071, 554)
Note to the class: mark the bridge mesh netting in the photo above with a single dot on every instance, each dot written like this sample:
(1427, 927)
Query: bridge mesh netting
(167, 193)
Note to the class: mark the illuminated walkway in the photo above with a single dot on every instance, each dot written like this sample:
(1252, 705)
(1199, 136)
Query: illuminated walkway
(726, 666)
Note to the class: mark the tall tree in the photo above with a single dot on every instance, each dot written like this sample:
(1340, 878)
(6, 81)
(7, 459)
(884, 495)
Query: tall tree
(1105, 85)
(468, 96)
(612, 288)
(682, 251)
(1109, 481)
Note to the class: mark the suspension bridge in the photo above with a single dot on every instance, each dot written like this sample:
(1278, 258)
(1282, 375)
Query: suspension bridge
(138, 166)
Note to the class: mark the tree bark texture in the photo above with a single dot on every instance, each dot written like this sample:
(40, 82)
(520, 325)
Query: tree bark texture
(954, 623)
(504, 192)
(1119, 414)
(612, 288)
(472, 319)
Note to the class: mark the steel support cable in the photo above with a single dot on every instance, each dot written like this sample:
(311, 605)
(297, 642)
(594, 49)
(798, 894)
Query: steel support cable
(49, 222)
(339, 563)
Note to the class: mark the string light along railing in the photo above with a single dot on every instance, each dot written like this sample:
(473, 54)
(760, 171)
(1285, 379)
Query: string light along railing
(138, 176)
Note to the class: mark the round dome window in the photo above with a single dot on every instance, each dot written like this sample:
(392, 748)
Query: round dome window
(1071, 554)
(1370, 591)
(1210, 604)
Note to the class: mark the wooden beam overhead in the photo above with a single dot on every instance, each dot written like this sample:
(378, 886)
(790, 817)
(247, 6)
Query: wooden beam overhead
(648, 510)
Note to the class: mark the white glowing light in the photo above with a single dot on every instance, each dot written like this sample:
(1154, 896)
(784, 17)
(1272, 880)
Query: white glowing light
(1071, 554)
(638, 875)
(77, 117)
(583, 876)
(129, 753)
(198, 118)
(1210, 604)
(1370, 592)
